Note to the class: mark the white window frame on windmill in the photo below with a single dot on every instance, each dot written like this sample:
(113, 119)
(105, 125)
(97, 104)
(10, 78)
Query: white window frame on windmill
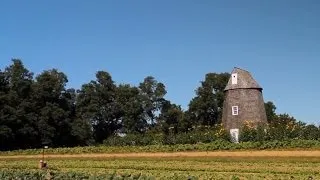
(234, 78)
(235, 110)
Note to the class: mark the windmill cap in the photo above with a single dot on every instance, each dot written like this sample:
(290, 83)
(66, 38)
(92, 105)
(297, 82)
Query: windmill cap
(244, 80)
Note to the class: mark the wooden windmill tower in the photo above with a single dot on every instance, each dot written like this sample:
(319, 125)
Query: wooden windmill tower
(243, 102)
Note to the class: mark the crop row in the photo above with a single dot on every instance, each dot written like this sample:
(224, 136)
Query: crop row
(172, 165)
(165, 167)
(14, 174)
(105, 174)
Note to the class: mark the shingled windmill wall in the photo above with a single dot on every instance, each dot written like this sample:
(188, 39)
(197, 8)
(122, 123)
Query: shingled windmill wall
(243, 94)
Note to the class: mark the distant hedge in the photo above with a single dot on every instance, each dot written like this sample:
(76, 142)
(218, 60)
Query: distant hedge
(213, 146)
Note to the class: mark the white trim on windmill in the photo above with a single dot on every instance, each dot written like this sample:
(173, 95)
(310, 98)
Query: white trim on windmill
(234, 78)
(235, 110)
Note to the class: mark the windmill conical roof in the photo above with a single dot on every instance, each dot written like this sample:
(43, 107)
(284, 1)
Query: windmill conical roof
(244, 80)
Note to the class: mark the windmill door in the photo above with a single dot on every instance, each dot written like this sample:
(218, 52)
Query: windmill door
(234, 135)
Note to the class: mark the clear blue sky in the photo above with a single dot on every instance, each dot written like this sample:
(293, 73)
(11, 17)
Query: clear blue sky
(176, 41)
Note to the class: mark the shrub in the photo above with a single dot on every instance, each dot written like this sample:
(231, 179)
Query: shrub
(311, 132)
(282, 129)
(197, 135)
(135, 140)
(249, 132)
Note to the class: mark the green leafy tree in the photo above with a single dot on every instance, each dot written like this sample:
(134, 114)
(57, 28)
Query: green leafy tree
(96, 104)
(171, 118)
(311, 132)
(152, 93)
(6, 134)
(132, 111)
(81, 133)
(270, 111)
(17, 112)
(54, 108)
(206, 107)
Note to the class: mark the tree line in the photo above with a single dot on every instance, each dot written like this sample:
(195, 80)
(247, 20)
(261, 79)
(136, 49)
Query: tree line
(38, 110)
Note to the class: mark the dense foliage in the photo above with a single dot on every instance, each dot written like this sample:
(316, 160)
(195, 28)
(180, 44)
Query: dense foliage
(40, 110)
(282, 128)
(217, 145)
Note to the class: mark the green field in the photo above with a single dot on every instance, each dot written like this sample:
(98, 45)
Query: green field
(226, 167)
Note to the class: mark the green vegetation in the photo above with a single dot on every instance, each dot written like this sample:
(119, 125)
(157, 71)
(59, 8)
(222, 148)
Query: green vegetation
(172, 168)
(214, 146)
(40, 110)
(52, 175)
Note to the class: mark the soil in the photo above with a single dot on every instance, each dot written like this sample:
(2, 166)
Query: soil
(312, 153)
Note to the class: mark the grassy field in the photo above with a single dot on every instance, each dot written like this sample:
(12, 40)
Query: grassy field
(201, 165)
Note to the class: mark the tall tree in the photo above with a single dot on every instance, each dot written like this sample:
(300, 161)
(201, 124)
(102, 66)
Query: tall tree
(19, 118)
(52, 104)
(96, 104)
(270, 111)
(6, 133)
(206, 107)
(171, 118)
(81, 131)
(152, 93)
(130, 103)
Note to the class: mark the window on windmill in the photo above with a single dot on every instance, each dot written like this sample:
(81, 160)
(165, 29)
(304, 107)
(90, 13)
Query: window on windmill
(235, 110)
(234, 78)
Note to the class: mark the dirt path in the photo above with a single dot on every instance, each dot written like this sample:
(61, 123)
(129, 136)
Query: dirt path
(315, 153)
